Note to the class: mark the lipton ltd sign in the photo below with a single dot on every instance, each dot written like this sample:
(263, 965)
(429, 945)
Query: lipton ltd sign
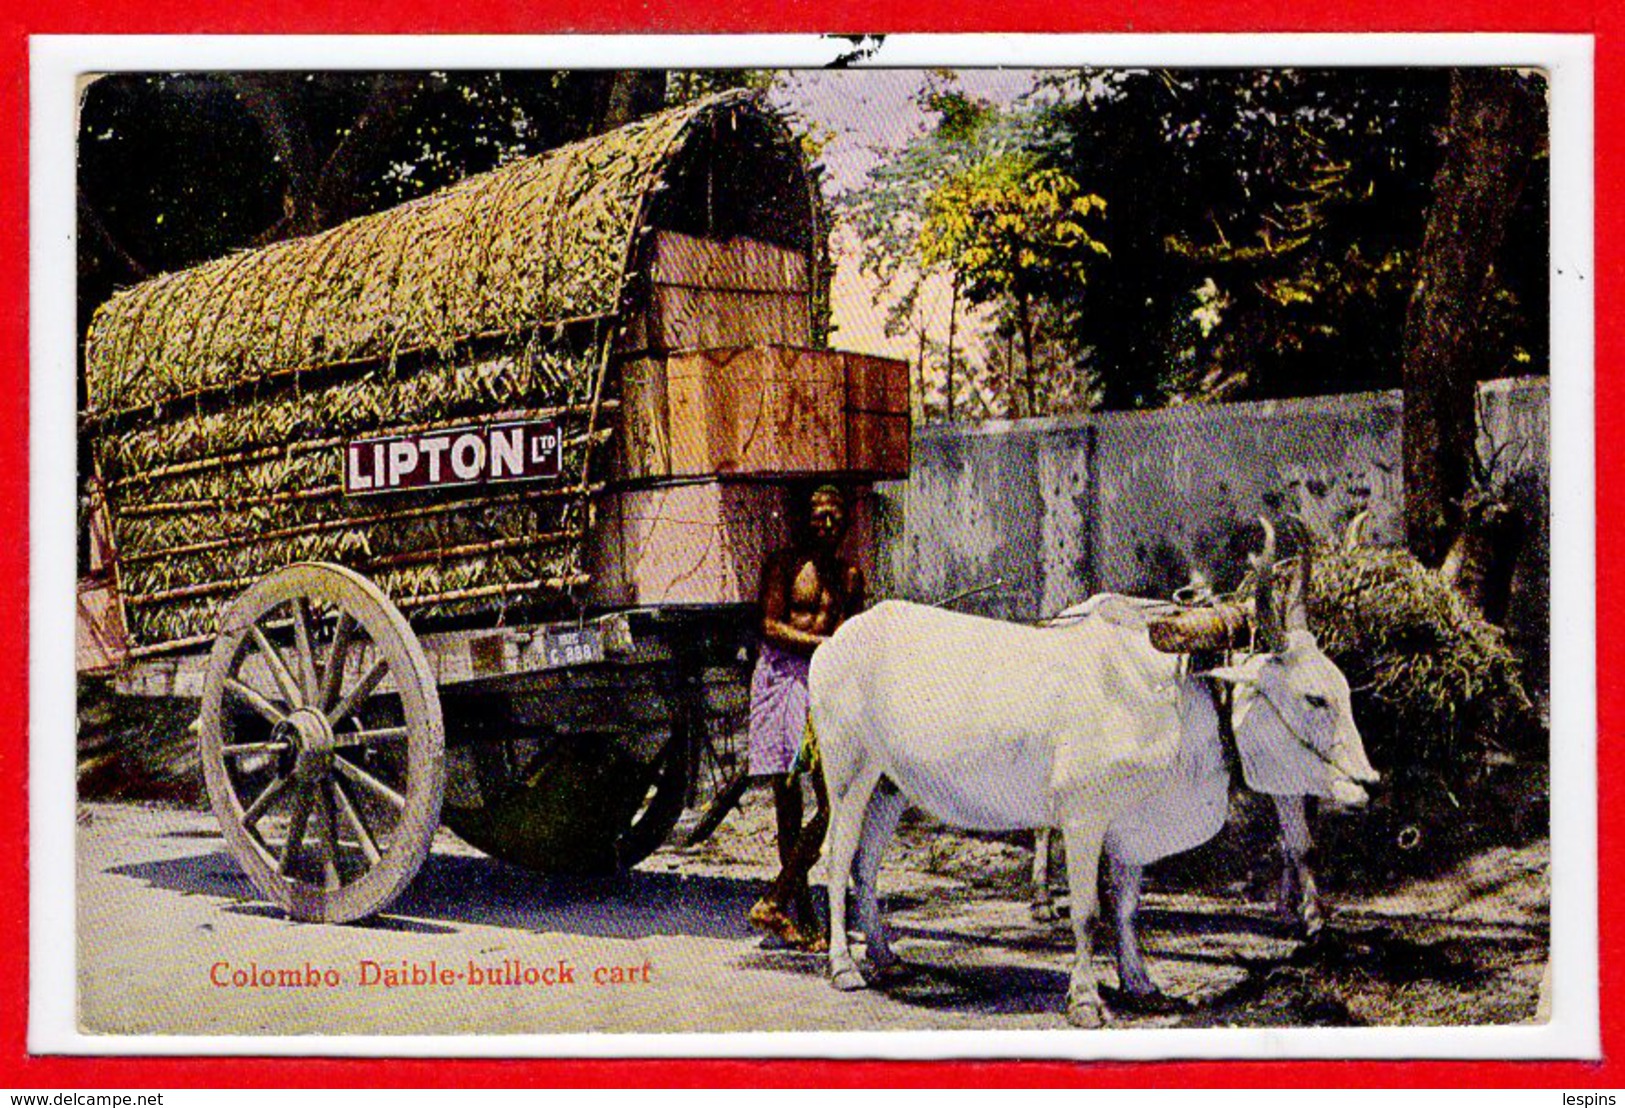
(520, 451)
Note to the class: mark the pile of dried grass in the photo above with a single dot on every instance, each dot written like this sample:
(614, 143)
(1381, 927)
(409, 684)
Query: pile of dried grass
(1435, 683)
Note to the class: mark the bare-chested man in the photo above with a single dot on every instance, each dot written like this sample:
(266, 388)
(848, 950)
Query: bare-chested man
(807, 592)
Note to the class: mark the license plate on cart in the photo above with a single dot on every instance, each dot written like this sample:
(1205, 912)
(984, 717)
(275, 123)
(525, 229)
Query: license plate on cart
(574, 646)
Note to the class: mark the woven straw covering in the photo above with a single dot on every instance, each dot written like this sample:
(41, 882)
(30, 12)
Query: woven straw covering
(220, 397)
(540, 240)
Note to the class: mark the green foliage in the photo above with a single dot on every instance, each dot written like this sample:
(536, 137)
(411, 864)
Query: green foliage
(684, 86)
(1009, 230)
(1299, 195)
(1259, 229)
(1007, 225)
(1435, 683)
(890, 212)
(908, 231)
(961, 119)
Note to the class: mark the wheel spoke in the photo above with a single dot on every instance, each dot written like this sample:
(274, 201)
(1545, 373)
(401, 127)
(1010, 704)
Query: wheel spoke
(252, 814)
(330, 841)
(254, 700)
(305, 656)
(333, 668)
(352, 816)
(279, 668)
(370, 783)
(359, 693)
(257, 844)
(541, 762)
(237, 750)
(367, 738)
(296, 830)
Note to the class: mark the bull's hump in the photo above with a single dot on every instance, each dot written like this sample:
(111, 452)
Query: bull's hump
(975, 655)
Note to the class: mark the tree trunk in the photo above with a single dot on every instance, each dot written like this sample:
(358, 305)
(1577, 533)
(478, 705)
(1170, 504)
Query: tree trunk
(1484, 555)
(953, 318)
(631, 94)
(919, 388)
(1492, 130)
(319, 196)
(1024, 310)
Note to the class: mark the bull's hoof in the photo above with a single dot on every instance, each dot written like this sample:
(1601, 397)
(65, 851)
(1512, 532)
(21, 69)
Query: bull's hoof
(1153, 1002)
(891, 973)
(1085, 1011)
(848, 979)
(1304, 920)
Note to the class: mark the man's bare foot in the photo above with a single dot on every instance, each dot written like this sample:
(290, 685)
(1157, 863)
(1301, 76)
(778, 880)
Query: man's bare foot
(769, 917)
(814, 944)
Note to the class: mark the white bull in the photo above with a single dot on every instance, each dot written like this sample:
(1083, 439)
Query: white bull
(1083, 727)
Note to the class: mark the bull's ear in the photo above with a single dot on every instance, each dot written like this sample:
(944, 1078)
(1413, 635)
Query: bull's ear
(1235, 675)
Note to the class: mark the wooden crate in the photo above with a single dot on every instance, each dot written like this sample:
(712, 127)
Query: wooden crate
(645, 427)
(764, 410)
(738, 264)
(698, 543)
(877, 416)
(705, 293)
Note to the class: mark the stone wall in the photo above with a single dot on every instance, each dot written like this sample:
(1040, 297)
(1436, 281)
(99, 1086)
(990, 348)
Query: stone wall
(1019, 519)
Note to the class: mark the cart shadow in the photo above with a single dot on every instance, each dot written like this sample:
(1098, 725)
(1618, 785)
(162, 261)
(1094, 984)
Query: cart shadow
(1158, 928)
(632, 905)
(373, 923)
(1063, 946)
(452, 890)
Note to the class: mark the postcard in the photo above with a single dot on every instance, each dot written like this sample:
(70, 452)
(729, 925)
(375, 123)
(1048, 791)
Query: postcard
(1015, 546)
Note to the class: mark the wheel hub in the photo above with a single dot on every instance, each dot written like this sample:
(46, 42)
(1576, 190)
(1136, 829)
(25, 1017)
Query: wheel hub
(311, 737)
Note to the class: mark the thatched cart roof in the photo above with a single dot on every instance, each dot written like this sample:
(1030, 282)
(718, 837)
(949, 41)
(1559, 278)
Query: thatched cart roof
(221, 397)
(544, 240)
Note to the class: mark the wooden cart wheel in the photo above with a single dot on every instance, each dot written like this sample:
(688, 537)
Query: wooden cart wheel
(587, 771)
(716, 804)
(568, 789)
(662, 804)
(322, 742)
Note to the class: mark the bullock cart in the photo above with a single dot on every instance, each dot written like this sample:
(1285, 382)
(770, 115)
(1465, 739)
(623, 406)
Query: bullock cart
(455, 512)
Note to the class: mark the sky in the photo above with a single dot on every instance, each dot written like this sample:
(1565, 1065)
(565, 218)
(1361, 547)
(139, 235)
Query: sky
(867, 114)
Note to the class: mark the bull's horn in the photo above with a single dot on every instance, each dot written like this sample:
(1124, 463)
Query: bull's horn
(1297, 605)
(1266, 553)
(1297, 608)
(1354, 535)
(1273, 634)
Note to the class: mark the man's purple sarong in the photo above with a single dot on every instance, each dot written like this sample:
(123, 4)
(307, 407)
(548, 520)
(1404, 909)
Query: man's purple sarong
(778, 710)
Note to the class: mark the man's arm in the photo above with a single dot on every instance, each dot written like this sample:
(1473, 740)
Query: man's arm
(857, 592)
(775, 602)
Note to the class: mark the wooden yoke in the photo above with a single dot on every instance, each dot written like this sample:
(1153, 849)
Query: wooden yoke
(1220, 627)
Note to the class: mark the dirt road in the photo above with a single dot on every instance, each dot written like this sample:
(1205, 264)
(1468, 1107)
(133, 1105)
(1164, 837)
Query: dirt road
(173, 939)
